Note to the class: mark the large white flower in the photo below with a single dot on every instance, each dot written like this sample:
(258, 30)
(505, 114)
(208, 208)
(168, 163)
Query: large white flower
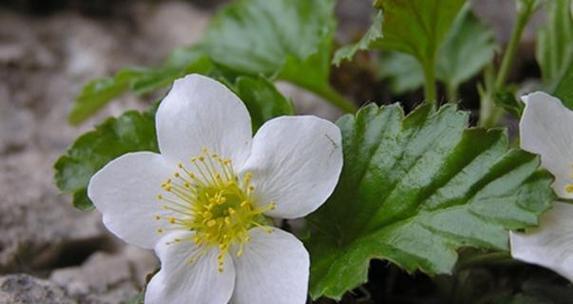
(546, 128)
(205, 203)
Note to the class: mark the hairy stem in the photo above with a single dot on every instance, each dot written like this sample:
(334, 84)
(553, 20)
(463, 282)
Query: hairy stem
(429, 67)
(491, 113)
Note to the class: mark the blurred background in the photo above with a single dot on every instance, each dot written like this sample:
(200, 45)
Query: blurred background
(49, 251)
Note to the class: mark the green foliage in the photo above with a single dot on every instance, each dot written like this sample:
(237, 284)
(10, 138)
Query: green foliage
(280, 39)
(130, 132)
(417, 27)
(262, 99)
(555, 43)
(402, 71)
(97, 93)
(506, 100)
(564, 88)
(367, 42)
(415, 189)
(274, 37)
(468, 47)
(554, 50)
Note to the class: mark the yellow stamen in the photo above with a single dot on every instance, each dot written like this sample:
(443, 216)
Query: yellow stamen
(211, 200)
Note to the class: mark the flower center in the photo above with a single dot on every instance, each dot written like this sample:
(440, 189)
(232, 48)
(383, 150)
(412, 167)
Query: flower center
(211, 200)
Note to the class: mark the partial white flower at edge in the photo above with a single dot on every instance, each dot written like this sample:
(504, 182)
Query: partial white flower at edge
(546, 128)
(205, 203)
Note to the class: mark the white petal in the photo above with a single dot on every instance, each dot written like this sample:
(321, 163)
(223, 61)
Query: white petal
(550, 245)
(183, 281)
(198, 113)
(274, 268)
(125, 192)
(547, 129)
(295, 162)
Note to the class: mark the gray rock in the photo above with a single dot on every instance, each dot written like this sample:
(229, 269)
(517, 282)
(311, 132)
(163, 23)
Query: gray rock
(107, 278)
(25, 289)
(38, 226)
(43, 65)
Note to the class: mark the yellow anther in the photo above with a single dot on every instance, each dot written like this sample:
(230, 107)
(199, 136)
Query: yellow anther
(215, 203)
(569, 188)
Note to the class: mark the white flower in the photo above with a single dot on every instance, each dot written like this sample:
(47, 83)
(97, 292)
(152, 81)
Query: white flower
(546, 128)
(206, 202)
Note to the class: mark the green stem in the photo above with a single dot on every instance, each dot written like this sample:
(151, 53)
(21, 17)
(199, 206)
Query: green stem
(430, 94)
(333, 97)
(507, 61)
(491, 113)
(452, 93)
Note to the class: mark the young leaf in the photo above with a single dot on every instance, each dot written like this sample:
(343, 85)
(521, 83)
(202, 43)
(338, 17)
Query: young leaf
(468, 47)
(130, 132)
(415, 189)
(555, 42)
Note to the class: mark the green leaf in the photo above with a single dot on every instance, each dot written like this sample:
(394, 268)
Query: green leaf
(290, 39)
(417, 27)
(413, 190)
(262, 99)
(97, 93)
(564, 88)
(367, 42)
(468, 47)
(130, 132)
(402, 71)
(555, 43)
